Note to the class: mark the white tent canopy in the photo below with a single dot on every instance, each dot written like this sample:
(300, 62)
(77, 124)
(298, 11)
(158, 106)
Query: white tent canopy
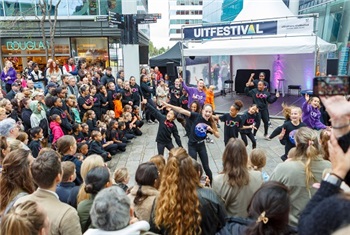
(259, 46)
(259, 10)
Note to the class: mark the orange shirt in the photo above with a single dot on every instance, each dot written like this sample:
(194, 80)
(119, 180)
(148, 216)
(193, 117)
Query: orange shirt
(118, 108)
(209, 97)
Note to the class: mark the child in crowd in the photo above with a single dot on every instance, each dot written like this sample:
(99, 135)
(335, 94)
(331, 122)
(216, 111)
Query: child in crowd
(83, 149)
(196, 108)
(209, 93)
(289, 129)
(96, 146)
(101, 125)
(66, 185)
(121, 178)
(257, 160)
(248, 120)
(56, 129)
(23, 137)
(97, 102)
(109, 146)
(77, 134)
(74, 109)
(36, 134)
(136, 114)
(121, 132)
(159, 161)
(118, 106)
(232, 121)
(110, 115)
(113, 135)
(128, 131)
(311, 113)
(85, 131)
(90, 119)
(286, 114)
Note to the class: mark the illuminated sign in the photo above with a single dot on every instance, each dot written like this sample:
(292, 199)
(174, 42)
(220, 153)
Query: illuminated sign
(26, 45)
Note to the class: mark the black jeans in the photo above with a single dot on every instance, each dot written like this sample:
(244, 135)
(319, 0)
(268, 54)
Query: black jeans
(251, 137)
(276, 132)
(200, 148)
(161, 147)
(264, 116)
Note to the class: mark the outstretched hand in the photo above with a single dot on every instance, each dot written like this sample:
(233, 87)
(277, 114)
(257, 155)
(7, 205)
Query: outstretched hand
(340, 160)
(307, 97)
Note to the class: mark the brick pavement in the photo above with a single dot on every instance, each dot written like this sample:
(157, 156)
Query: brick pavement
(144, 147)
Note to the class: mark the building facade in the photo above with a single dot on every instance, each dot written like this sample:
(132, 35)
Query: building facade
(78, 33)
(333, 26)
(182, 12)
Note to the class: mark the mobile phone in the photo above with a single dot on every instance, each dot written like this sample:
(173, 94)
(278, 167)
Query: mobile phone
(331, 85)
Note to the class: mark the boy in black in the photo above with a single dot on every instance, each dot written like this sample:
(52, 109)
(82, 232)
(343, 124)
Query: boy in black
(36, 134)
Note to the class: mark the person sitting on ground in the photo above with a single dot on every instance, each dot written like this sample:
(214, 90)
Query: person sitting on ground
(47, 173)
(66, 185)
(267, 213)
(143, 195)
(27, 218)
(96, 146)
(111, 214)
(121, 178)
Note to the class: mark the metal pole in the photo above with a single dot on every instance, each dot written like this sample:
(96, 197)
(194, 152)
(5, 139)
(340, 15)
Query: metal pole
(183, 61)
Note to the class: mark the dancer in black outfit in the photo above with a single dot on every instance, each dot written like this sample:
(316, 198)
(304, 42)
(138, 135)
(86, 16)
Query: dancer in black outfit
(203, 123)
(165, 129)
(248, 124)
(261, 98)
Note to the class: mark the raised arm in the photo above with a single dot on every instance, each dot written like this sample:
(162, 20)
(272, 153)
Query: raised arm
(177, 109)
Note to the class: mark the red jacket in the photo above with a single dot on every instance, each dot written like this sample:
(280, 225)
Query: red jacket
(56, 130)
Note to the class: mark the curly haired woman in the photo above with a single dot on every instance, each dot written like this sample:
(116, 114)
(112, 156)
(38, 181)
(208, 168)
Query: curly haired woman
(183, 207)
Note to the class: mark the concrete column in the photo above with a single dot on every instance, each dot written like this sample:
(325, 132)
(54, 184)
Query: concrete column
(294, 6)
(131, 51)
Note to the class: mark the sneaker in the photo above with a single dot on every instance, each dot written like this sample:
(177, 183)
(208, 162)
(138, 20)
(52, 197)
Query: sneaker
(266, 137)
(209, 140)
(155, 121)
(270, 124)
(150, 122)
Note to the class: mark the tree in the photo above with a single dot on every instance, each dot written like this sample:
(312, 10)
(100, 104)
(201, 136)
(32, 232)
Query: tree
(46, 11)
(153, 51)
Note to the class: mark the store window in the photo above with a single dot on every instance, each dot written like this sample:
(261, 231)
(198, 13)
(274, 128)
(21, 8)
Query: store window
(95, 50)
(20, 51)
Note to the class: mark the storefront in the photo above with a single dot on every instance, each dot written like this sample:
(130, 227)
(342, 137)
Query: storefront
(20, 51)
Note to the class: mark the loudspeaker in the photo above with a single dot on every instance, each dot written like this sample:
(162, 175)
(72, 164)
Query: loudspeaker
(171, 70)
(332, 66)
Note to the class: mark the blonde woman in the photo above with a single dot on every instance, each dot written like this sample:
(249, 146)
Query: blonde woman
(183, 206)
(302, 171)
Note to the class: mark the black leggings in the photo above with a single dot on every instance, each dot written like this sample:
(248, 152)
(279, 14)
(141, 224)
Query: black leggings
(200, 148)
(161, 147)
(264, 116)
(251, 137)
(276, 132)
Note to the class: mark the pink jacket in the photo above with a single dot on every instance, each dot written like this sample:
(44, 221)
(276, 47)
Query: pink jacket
(56, 131)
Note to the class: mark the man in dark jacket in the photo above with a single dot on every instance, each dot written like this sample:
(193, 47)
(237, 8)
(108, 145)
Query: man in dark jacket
(108, 77)
(14, 89)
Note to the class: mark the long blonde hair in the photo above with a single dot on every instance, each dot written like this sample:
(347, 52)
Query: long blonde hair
(307, 149)
(89, 163)
(177, 208)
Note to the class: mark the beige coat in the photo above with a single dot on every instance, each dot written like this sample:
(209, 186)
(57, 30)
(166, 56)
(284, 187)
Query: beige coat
(63, 218)
(144, 209)
(292, 174)
(237, 199)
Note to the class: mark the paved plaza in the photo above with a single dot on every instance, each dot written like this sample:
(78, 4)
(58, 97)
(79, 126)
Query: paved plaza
(144, 147)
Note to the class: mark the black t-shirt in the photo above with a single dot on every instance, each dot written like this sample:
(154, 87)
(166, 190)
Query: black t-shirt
(175, 94)
(198, 129)
(289, 137)
(232, 126)
(84, 100)
(79, 137)
(247, 119)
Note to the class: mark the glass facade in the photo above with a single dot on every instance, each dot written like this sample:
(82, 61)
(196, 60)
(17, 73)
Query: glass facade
(221, 10)
(333, 26)
(65, 8)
